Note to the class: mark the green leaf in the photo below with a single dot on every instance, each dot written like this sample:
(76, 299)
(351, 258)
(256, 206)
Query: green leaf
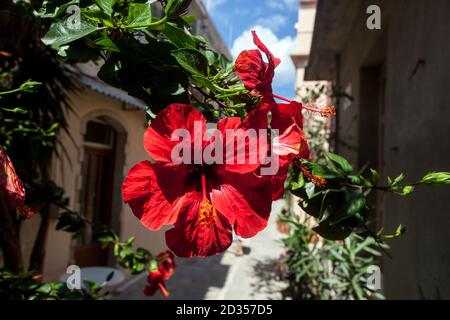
(175, 8)
(406, 190)
(15, 110)
(106, 6)
(189, 20)
(204, 82)
(324, 171)
(105, 238)
(332, 232)
(398, 179)
(299, 183)
(108, 71)
(191, 60)
(179, 90)
(310, 188)
(29, 86)
(139, 16)
(341, 161)
(354, 179)
(375, 177)
(153, 265)
(210, 56)
(48, 10)
(61, 33)
(107, 44)
(138, 267)
(98, 16)
(110, 276)
(357, 288)
(436, 178)
(401, 229)
(178, 36)
(46, 288)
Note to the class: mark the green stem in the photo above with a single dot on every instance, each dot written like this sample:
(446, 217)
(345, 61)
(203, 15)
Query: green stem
(382, 188)
(10, 91)
(378, 242)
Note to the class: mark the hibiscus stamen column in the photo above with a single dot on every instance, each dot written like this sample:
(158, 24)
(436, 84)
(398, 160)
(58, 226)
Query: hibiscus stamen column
(163, 289)
(207, 211)
(324, 112)
(318, 181)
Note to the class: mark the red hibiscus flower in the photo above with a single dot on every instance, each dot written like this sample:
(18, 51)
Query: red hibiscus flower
(256, 74)
(203, 201)
(157, 278)
(11, 187)
(257, 77)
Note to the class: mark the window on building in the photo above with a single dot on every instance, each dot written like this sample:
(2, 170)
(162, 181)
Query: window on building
(97, 187)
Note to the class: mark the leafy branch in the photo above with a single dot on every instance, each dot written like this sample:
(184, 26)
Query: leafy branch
(340, 206)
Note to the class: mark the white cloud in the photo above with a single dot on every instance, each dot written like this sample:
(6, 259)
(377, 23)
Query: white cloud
(275, 21)
(213, 4)
(280, 47)
(283, 4)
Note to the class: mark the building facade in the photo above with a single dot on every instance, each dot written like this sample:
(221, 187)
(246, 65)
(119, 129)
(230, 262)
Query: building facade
(105, 140)
(397, 120)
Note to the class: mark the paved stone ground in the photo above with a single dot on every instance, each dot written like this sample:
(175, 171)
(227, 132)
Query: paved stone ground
(226, 276)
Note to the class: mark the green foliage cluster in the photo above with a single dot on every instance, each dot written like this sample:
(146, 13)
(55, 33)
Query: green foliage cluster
(341, 206)
(27, 286)
(326, 269)
(149, 51)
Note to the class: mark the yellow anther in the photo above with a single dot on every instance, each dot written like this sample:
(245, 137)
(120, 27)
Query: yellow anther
(207, 214)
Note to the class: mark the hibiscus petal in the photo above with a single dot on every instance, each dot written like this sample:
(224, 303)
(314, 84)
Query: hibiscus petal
(282, 116)
(167, 265)
(270, 66)
(153, 196)
(304, 153)
(253, 71)
(246, 200)
(258, 118)
(241, 146)
(250, 68)
(192, 236)
(277, 183)
(157, 138)
(11, 186)
(286, 113)
(288, 142)
(261, 46)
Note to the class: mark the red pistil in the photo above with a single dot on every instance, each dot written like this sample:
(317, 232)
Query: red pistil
(323, 112)
(204, 197)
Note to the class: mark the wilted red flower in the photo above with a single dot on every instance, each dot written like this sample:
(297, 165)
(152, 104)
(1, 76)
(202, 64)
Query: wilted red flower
(11, 186)
(156, 279)
(203, 201)
(256, 74)
(257, 77)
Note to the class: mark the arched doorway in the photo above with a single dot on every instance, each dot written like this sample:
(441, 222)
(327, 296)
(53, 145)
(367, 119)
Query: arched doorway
(99, 194)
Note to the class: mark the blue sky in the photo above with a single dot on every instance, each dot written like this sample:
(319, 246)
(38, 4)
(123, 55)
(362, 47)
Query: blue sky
(273, 20)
